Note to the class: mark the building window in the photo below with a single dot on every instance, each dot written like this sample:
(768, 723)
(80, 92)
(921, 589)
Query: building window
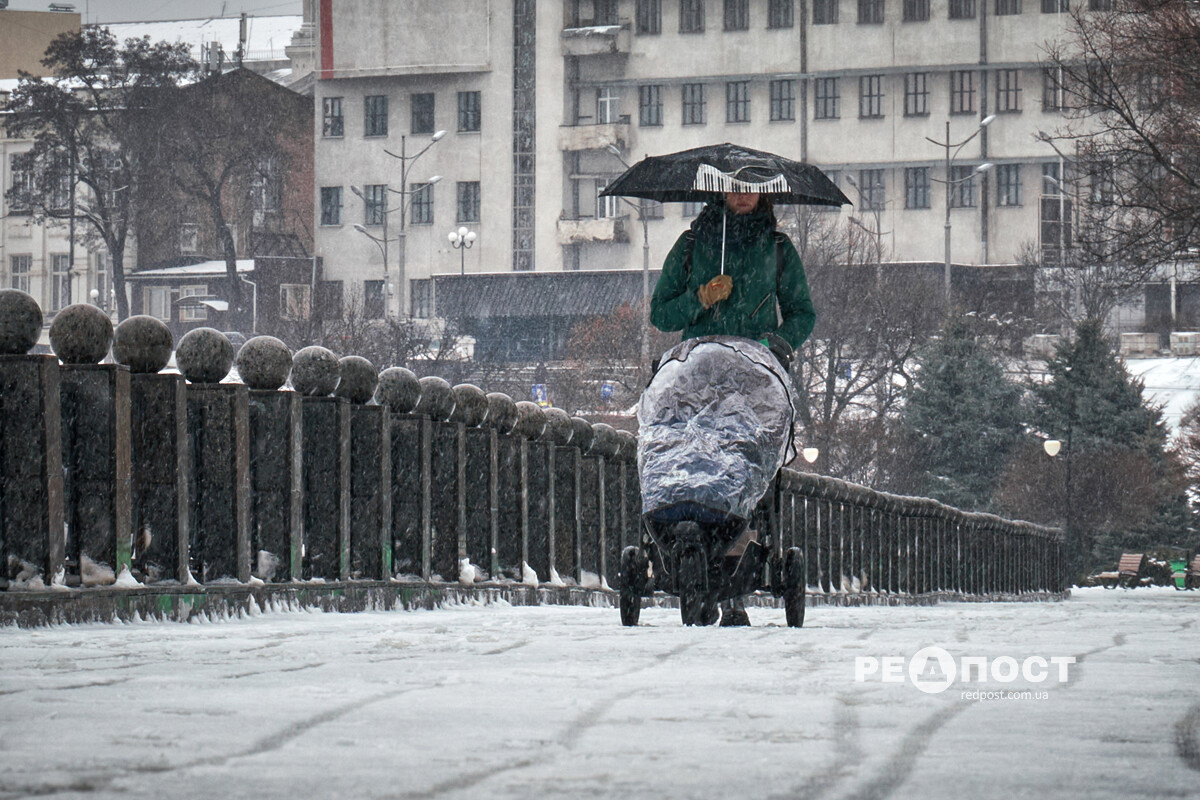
(1008, 185)
(60, 181)
(373, 302)
(608, 105)
(422, 112)
(870, 96)
(783, 100)
(650, 106)
(421, 199)
(916, 10)
(193, 312)
(468, 112)
(737, 101)
(825, 12)
(102, 284)
(916, 187)
(1008, 91)
(420, 292)
(1054, 97)
(962, 9)
(189, 238)
(916, 94)
(962, 186)
(266, 189)
(331, 205)
(374, 203)
(375, 115)
(651, 209)
(870, 182)
(605, 12)
(20, 188)
(1101, 175)
(779, 13)
(649, 17)
(332, 121)
(606, 207)
(870, 12)
(691, 16)
(1055, 6)
(1007, 7)
(737, 15)
(693, 104)
(1099, 5)
(692, 209)
(60, 281)
(468, 201)
(20, 268)
(835, 177)
(827, 99)
(295, 301)
(962, 92)
(156, 302)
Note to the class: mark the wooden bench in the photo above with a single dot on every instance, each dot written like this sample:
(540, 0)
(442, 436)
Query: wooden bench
(1130, 569)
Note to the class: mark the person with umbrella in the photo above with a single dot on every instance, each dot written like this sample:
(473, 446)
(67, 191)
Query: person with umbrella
(733, 274)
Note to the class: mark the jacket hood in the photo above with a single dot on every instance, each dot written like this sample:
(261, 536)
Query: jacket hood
(739, 228)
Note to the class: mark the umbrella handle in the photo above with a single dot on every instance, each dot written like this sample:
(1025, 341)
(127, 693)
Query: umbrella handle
(724, 219)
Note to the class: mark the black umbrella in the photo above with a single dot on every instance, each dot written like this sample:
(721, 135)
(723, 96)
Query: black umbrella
(704, 173)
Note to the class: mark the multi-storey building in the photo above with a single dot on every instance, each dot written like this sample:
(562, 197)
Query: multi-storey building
(543, 102)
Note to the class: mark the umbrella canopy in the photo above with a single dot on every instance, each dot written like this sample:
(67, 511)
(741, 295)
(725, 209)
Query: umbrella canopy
(704, 173)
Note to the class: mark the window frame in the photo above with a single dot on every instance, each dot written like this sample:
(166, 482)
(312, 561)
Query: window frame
(962, 186)
(825, 12)
(467, 197)
(375, 204)
(870, 96)
(871, 12)
(650, 105)
(737, 102)
(375, 119)
(417, 113)
(333, 116)
(1008, 186)
(332, 192)
(914, 11)
(286, 290)
(1008, 91)
(873, 184)
(420, 204)
(781, 14)
(193, 313)
(961, 9)
(916, 188)
(736, 15)
(782, 94)
(916, 94)
(691, 16)
(648, 18)
(1007, 8)
(470, 111)
(823, 101)
(692, 100)
(962, 98)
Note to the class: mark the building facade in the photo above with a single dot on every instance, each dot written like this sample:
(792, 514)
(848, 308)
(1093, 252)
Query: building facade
(543, 103)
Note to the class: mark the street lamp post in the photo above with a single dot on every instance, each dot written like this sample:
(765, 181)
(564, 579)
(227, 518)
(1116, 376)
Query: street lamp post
(462, 240)
(406, 162)
(641, 211)
(950, 183)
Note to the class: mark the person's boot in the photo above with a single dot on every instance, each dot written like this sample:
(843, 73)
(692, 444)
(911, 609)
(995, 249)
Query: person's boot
(733, 614)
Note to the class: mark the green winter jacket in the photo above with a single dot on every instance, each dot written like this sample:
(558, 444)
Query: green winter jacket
(753, 261)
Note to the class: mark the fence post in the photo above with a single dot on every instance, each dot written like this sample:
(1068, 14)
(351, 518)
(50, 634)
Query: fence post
(631, 492)
(276, 467)
(370, 471)
(441, 547)
(32, 533)
(504, 488)
(536, 485)
(94, 409)
(399, 391)
(478, 485)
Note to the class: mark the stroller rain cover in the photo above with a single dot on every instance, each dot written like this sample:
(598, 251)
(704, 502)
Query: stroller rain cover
(714, 426)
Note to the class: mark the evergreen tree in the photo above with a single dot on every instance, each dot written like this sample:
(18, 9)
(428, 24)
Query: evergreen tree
(962, 415)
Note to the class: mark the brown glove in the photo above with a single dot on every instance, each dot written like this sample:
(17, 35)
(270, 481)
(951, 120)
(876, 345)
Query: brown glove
(715, 290)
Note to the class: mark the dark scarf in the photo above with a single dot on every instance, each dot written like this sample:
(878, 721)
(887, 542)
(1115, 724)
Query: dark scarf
(741, 229)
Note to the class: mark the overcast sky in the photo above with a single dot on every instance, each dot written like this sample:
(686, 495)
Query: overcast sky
(104, 11)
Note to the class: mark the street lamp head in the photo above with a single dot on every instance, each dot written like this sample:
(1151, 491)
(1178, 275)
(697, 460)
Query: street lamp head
(851, 181)
(361, 229)
(1052, 447)
(462, 233)
(471, 237)
(984, 167)
(988, 120)
(453, 237)
(357, 192)
(437, 137)
(811, 454)
(433, 180)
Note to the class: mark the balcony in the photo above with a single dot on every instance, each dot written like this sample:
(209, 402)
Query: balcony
(594, 137)
(596, 40)
(594, 229)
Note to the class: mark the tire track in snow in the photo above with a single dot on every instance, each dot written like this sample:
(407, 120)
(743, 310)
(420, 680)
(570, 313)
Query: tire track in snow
(847, 754)
(895, 771)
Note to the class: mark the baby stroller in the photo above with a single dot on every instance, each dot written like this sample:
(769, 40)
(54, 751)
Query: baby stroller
(715, 425)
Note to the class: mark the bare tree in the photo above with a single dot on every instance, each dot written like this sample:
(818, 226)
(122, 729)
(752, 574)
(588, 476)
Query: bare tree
(88, 124)
(1128, 80)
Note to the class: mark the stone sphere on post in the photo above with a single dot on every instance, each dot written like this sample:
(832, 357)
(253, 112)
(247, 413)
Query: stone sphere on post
(628, 449)
(502, 412)
(315, 371)
(204, 355)
(20, 322)
(81, 334)
(470, 405)
(357, 379)
(437, 399)
(264, 363)
(398, 389)
(143, 344)
(581, 434)
(531, 420)
(558, 427)
(605, 441)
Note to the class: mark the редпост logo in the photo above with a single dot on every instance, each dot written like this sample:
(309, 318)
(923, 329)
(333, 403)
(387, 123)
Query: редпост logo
(933, 670)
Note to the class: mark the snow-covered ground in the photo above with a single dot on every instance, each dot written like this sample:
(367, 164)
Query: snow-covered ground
(1173, 383)
(485, 702)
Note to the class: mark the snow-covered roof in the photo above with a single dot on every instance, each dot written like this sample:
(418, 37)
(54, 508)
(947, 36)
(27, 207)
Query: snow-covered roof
(265, 36)
(204, 269)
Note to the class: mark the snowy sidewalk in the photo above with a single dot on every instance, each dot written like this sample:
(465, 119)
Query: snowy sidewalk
(561, 701)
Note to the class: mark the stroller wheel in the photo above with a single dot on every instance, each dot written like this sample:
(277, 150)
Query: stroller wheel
(632, 585)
